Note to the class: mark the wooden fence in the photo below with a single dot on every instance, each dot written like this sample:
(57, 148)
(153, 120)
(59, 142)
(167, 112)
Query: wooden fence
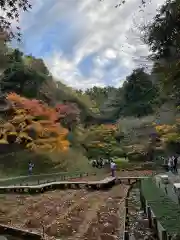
(44, 178)
(159, 232)
(22, 234)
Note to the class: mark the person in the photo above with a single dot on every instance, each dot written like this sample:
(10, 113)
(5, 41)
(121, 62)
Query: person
(175, 164)
(165, 164)
(170, 164)
(30, 168)
(113, 166)
(94, 163)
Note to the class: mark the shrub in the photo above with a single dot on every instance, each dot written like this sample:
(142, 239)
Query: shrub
(137, 156)
(121, 163)
(117, 152)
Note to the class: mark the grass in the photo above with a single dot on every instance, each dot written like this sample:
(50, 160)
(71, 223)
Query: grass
(166, 211)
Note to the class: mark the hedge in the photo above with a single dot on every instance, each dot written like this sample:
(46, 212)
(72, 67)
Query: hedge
(166, 211)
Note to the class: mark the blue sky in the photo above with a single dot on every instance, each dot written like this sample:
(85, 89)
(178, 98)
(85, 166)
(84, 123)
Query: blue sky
(87, 42)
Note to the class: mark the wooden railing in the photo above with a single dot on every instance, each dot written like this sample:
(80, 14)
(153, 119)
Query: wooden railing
(160, 232)
(19, 233)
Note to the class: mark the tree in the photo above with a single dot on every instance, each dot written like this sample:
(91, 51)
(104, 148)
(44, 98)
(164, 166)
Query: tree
(100, 95)
(138, 94)
(162, 36)
(99, 141)
(11, 9)
(69, 115)
(35, 125)
(22, 77)
(164, 33)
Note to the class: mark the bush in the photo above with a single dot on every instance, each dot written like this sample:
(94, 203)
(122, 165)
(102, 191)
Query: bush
(121, 163)
(117, 152)
(166, 211)
(136, 156)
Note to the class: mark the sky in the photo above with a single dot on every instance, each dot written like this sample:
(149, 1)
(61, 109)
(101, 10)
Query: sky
(87, 43)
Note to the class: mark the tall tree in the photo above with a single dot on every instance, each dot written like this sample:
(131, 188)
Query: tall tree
(22, 78)
(10, 10)
(138, 94)
(163, 38)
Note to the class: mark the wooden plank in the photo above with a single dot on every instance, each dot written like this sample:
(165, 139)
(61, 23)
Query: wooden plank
(16, 232)
(102, 184)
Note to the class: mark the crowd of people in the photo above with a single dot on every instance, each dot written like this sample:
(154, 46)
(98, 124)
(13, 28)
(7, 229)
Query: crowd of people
(102, 162)
(171, 164)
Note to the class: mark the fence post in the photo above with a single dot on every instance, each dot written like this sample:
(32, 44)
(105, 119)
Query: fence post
(164, 235)
(149, 215)
(169, 237)
(156, 227)
(141, 197)
(126, 235)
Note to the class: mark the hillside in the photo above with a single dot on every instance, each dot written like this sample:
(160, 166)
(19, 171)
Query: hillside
(99, 122)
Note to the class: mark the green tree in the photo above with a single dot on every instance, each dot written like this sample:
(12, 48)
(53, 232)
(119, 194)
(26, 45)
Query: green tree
(22, 78)
(162, 36)
(139, 94)
(11, 9)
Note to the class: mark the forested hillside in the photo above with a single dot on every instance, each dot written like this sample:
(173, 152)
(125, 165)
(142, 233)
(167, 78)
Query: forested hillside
(44, 117)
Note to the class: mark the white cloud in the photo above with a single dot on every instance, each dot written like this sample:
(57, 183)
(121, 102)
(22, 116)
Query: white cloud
(67, 71)
(109, 33)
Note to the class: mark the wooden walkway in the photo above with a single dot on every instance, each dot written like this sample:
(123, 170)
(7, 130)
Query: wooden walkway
(104, 184)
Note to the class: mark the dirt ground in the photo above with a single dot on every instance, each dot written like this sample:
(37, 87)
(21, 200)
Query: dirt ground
(69, 214)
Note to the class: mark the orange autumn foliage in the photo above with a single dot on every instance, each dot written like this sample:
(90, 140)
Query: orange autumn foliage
(37, 123)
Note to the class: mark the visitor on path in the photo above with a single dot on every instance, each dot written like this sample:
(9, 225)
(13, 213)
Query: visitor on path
(94, 163)
(30, 168)
(170, 164)
(113, 168)
(175, 164)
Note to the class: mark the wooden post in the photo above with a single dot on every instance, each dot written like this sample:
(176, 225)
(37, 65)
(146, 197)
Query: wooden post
(126, 210)
(164, 235)
(139, 183)
(149, 215)
(126, 235)
(156, 227)
(169, 237)
(127, 221)
(141, 197)
(126, 202)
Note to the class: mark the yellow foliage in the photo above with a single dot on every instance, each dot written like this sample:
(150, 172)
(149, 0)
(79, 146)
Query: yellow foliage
(164, 129)
(50, 134)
